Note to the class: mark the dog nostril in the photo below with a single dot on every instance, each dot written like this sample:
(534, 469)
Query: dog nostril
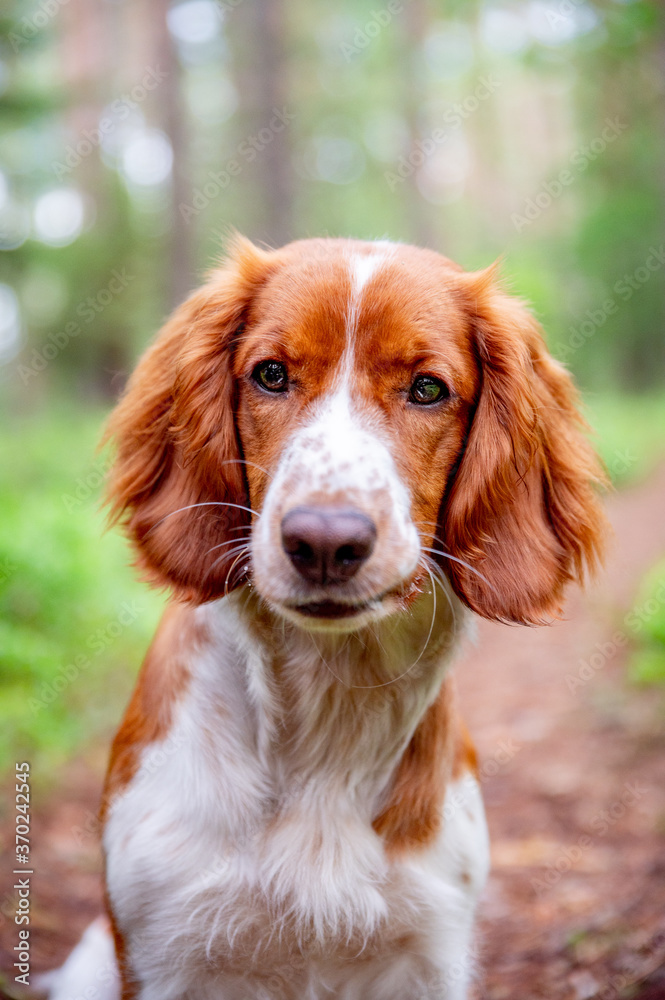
(347, 554)
(327, 544)
(303, 551)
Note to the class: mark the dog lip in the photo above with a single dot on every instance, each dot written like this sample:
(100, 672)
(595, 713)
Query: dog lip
(329, 609)
(338, 609)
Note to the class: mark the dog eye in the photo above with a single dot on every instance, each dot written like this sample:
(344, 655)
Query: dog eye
(426, 390)
(271, 375)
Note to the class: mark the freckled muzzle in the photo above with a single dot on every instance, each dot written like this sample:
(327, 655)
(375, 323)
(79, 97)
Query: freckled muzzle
(335, 539)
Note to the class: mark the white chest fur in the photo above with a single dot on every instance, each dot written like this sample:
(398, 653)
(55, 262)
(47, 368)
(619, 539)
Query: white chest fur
(241, 859)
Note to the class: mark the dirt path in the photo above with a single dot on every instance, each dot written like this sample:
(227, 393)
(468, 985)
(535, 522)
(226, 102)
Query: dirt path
(574, 783)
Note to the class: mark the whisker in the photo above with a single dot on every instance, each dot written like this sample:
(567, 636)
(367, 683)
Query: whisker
(208, 503)
(230, 541)
(243, 461)
(439, 573)
(227, 555)
(432, 567)
(445, 586)
(228, 575)
(446, 555)
(437, 569)
(394, 680)
(431, 625)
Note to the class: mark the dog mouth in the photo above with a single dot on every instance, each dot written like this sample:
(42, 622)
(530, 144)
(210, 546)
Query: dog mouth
(328, 610)
(331, 610)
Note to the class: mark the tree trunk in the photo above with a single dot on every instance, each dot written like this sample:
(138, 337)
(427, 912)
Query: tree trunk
(172, 117)
(263, 87)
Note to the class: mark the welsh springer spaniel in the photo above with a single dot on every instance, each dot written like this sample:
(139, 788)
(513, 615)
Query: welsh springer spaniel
(328, 454)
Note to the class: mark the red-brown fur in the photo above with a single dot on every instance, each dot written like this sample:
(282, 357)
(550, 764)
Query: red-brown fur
(162, 681)
(411, 819)
(177, 443)
(522, 508)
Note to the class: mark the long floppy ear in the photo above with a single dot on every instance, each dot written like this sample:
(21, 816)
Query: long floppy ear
(178, 484)
(522, 509)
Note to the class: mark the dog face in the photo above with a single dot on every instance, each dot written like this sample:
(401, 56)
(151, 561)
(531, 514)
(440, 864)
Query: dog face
(353, 399)
(329, 418)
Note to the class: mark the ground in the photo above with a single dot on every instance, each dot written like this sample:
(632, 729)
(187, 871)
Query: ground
(573, 778)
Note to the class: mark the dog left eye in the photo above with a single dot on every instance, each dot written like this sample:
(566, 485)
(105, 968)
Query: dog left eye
(271, 375)
(426, 390)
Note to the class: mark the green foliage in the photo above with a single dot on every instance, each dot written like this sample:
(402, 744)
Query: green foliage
(628, 432)
(647, 664)
(73, 620)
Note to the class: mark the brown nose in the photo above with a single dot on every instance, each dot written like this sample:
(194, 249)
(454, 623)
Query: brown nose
(327, 544)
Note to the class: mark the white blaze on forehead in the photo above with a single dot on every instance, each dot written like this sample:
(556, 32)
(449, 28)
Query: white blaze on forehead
(363, 267)
(344, 452)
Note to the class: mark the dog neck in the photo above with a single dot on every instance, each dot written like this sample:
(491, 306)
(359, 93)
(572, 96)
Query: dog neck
(337, 710)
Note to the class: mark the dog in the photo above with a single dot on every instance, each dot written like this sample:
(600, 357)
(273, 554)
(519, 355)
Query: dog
(332, 453)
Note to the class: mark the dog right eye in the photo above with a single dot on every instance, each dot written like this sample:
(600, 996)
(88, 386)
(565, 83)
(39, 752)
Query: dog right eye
(271, 375)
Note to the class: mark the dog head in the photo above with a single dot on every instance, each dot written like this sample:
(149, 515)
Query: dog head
(331, 419)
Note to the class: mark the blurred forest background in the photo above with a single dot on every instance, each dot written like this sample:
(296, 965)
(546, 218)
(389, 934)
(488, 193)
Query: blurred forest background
(135, 134)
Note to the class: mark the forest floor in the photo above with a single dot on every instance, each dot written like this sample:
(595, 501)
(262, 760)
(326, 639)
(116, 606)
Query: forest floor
(573, 774)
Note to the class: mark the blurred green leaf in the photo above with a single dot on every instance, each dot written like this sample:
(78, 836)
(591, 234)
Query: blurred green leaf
(74, 622)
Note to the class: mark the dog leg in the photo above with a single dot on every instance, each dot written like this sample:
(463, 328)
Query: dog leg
(90, 970)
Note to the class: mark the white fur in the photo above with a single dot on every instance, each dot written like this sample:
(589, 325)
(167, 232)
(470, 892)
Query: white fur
(90, 971)
(249, 858)
(363, 267)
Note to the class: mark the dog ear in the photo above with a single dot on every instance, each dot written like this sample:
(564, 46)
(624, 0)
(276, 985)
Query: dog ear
(522, 510)
(178, 484)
